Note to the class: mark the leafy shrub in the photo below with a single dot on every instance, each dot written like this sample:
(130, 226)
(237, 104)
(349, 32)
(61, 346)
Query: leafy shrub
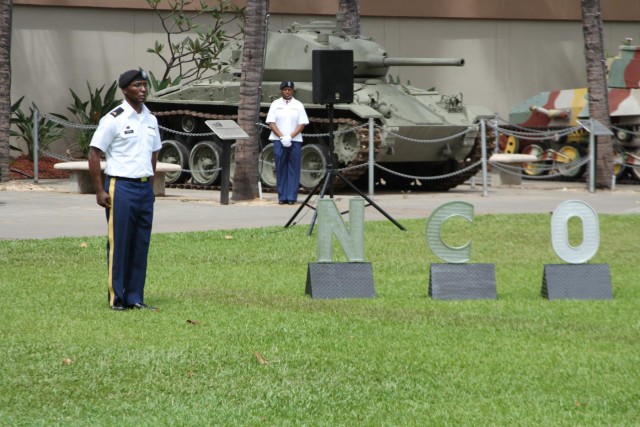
(48, 131)
(158, 85)
(97, 108)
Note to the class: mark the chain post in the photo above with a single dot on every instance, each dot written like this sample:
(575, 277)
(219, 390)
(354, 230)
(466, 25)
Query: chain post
(483, 134)
(36, 146)
(592, 158)
(371, 157)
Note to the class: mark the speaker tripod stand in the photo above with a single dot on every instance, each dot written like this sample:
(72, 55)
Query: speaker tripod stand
(327, 182)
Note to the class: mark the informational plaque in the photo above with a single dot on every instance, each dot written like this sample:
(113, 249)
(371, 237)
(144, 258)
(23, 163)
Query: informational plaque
(596, 127)
(227, 129)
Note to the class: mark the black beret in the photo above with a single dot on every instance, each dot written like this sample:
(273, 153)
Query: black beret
(286, 83)
(130, 76)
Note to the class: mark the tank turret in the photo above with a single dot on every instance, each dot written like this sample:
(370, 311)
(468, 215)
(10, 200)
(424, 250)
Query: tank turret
(404, 114)
(624, 69)
(289, 53)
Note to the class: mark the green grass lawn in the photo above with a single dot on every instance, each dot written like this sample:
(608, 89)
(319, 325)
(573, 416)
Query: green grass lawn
(237, 342)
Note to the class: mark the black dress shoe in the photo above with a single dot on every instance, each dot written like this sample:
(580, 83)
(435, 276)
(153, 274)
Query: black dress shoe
(281, 202)
(291, 202)
(142, 306)
(116, 308)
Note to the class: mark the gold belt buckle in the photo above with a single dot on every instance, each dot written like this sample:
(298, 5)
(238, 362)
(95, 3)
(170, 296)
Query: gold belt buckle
(144, 179)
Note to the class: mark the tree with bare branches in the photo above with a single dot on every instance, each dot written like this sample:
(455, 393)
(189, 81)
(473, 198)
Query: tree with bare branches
(191, 49)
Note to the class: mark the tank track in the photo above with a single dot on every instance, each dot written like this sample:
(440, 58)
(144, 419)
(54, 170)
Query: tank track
(361, 157)
(550, 143)
(628, 175)
(352, 174)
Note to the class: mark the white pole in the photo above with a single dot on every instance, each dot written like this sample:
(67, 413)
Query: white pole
(35, 146)
(483, 133)
(497, 139)
(371, 157)
(592, 158)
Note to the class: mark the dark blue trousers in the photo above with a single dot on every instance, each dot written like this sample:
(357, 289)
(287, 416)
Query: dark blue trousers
(129, 220)
(287, 170)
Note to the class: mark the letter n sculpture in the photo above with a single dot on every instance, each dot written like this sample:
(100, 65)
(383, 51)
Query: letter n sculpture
(353, 279)
(456, 280)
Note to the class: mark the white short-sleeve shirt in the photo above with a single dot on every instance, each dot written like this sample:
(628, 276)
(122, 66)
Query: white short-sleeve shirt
(128, 140)
(287, 116)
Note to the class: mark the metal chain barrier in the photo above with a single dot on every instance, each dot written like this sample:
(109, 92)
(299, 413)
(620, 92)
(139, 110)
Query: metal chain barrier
(517, 170)
(58, 156)
(532, 134)
(630, 132)
(352, 129)
(498, 125)
(68, 124)
(448, 175)
(429, 141)
(344, 169)
(181, 133)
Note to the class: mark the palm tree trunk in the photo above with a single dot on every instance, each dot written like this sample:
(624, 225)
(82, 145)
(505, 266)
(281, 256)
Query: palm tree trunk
(597, 84)
(245, 179)
(350, 10)
(5, 88)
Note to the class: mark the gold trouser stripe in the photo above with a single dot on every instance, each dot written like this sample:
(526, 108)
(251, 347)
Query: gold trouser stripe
(112, 188)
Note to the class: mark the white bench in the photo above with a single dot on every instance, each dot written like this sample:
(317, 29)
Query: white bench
(510, 177)
(81, 180)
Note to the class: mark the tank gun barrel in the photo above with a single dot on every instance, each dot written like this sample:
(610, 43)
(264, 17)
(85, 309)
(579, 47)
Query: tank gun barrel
(553, 113)
(408, 62)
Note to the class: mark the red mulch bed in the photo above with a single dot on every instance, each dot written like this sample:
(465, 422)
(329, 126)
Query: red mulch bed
(22, 168)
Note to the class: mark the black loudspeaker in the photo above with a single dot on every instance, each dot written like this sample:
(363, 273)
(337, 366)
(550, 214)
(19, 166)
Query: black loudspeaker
(332, 76)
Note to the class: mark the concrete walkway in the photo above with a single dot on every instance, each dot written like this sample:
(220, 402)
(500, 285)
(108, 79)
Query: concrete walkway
(48, 209)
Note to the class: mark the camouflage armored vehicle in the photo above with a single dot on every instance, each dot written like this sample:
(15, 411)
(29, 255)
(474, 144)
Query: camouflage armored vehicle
(405, 115)
(561, 109)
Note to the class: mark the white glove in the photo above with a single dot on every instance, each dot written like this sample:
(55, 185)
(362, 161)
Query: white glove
(286, 141)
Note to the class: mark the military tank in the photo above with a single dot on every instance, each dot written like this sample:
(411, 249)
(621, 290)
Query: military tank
(559, 110)
(405, 116)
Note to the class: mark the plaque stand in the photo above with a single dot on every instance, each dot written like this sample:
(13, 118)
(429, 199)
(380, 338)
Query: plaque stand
(328, 280)
(462, 281)
(576, 281)
(228, 131)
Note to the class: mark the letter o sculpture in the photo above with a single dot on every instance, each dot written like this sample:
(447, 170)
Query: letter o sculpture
(560, 232)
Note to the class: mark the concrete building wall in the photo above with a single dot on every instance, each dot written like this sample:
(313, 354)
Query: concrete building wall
(58, 48)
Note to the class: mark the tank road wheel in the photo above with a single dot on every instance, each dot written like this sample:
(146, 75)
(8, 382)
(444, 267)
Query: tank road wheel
(509, 144)
(623, 135)
(346, 145)
(571, 154)
(533, 168)
(267, 166)
(176, 153)
(204, 162)
(313, 164)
